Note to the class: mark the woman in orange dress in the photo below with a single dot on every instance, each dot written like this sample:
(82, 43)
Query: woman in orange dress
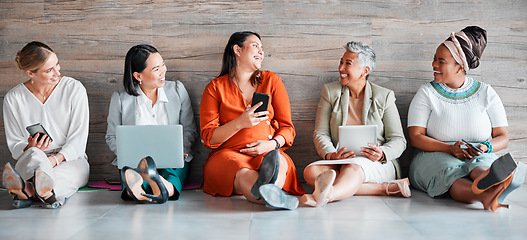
(247, 156)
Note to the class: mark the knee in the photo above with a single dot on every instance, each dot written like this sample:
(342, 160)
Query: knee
(310, 174)
(351, 167)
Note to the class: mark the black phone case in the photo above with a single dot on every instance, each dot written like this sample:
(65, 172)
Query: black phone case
(471, 146)
(38, 128)
(260, 97)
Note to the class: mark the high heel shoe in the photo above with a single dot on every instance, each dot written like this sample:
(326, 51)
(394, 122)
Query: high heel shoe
(133, 183)
(404, 188)
(14, 183)
(147, 169)
(518, 177)
(500, 170)
(495, 204)
(268, 172)
(44, 189)
(276, 198)
(324, 187)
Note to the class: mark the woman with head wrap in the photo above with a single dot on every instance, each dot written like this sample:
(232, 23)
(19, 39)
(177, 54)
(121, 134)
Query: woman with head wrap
(456, 123)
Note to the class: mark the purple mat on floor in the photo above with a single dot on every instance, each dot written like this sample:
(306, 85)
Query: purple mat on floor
(117, 187)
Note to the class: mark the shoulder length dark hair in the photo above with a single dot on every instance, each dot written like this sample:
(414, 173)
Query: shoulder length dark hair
(135, 61)
(229, 58)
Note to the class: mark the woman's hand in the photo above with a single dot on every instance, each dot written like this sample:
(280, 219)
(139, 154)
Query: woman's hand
(56, 160)
(372, 152)
(43, 144)
(259, 147)
(249, 118)
(470, 152)
(340, 154)
(458, 152)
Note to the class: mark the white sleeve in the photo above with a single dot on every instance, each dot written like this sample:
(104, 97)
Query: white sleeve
(16, 136)
(495, 109)
(114, 119)
(77, 136)
(420, 109)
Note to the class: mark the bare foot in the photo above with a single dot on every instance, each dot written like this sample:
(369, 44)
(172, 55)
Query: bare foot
(170, 188)
(393, 190)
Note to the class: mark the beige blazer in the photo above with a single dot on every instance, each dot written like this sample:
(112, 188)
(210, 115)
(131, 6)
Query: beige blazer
(379, 109)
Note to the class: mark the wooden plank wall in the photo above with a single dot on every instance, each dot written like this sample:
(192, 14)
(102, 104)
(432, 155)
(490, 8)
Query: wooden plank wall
(303, 43)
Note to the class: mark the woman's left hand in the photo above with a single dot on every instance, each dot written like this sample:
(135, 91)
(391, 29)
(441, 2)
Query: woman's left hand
(259, 147)
(372, 152)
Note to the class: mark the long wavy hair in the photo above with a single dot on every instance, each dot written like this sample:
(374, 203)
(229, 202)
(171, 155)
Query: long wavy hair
(229, 58)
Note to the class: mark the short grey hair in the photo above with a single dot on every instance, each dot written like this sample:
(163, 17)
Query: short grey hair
(366, 54)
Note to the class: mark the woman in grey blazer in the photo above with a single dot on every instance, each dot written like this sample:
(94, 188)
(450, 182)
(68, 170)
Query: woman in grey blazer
(147, 99)
(355, 101)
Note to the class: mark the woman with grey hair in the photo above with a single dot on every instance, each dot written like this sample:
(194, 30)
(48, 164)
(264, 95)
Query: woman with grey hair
(355, 101)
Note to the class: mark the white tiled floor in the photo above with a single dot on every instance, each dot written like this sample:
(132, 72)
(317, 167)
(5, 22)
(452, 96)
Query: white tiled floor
(103, 215)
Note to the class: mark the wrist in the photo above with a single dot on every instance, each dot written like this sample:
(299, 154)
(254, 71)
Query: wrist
(56, 159)
(277, 143)
(489, 146)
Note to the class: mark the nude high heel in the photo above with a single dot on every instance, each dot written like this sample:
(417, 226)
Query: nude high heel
(14, 183)
(404, 187)
(44, 189)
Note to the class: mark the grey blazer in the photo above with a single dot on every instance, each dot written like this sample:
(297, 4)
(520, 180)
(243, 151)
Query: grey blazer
(379, 109)
(179, 111)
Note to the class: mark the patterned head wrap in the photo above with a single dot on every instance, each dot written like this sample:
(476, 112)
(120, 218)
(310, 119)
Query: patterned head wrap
(467, 45)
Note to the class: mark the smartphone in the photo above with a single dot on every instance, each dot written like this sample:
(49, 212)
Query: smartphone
(38, 128)
(112, 181)
(260, 97)
(471, 146)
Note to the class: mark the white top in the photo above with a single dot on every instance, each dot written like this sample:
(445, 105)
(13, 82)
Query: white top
(469, 112)
(65, 116)
(146, 114)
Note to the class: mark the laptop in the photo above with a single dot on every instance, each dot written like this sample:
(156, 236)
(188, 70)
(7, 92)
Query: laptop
(164, 143)
(354, 137)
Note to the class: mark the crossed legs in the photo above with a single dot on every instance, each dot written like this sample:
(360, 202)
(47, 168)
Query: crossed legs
(245, 179)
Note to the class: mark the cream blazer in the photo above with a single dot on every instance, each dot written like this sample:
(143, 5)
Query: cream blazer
(379, 109)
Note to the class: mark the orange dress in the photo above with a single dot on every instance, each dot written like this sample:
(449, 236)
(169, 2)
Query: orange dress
(222, 102)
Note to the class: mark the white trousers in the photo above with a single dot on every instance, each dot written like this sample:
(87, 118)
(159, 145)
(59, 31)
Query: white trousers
(67, 177)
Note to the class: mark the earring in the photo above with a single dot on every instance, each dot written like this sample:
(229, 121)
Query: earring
(140, 82)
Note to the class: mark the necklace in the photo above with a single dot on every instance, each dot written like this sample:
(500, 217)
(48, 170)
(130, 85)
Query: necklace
(237, 83)
(44, 97)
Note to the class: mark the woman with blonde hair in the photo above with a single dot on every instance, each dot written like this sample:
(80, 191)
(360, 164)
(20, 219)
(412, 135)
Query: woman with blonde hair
(51, 163)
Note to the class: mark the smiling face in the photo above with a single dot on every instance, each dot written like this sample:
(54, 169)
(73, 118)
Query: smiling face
(251, 55)
(153, 76)
(49, 73)
(446, 70)
(350, 70)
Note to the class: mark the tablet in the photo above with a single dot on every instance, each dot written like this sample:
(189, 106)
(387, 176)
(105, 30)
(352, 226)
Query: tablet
(356, 136)
(164, 143)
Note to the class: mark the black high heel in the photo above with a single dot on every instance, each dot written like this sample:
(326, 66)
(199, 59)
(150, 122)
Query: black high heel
(14, 183)
(44, 189)
(133, 183)
(148, 171)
